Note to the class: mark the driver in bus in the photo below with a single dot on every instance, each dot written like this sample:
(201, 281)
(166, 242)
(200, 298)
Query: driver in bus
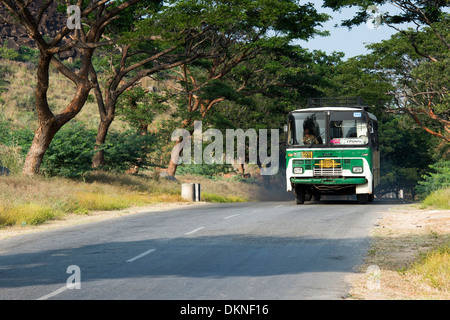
(309, 138)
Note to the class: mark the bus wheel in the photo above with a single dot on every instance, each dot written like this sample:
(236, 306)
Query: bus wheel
(362, 198)
(316, 196)
(308, 196)
(299, 195)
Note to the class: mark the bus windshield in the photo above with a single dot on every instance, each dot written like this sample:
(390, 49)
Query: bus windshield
(348, 128)
(341, 128)
(307, 129)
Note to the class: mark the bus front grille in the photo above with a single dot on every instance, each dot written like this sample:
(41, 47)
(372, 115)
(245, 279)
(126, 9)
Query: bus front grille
(327, 172)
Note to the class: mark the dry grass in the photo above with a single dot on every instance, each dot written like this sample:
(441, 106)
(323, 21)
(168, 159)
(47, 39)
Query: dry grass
(433, 268)
(439, 199)
(31, 201)
(26, 200)
(17, 103)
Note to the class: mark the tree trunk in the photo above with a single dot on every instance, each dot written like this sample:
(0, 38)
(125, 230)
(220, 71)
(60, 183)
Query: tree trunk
(172, 169)
(47, 122)
(99, 157)
(42, 139)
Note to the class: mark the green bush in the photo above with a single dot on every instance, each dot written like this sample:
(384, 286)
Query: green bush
(438, 178)
(13, 146)
(15, 137)
(439, 199)
(122, 150)
(73, 147)
(28, 55)
(5, 132)
(70, 152)
(204, 169)
(7, 53)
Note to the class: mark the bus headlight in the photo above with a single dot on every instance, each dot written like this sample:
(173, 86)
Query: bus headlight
(298, 170)
(357, 169)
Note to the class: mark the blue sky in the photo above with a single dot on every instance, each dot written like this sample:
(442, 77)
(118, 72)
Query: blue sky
(351, 42)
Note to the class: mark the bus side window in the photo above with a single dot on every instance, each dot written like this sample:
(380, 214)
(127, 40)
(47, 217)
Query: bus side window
(291, 132)
(373, 129)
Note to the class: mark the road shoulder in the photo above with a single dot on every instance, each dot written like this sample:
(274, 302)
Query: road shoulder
(398, 239)
(77, 219)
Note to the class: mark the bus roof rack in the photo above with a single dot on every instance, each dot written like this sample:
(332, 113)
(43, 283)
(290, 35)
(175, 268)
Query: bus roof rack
(349, 102)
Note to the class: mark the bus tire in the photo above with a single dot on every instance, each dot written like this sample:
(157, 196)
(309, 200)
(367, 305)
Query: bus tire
(316, 196)
(362, 198)
(308, 196)
(300, 195)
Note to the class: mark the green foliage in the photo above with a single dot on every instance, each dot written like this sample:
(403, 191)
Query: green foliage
(406, 153)
(25, 54)
(7, 53)
(139, 107)
(29, 55)
(439, 199)
(417, 11)
(13, 146)
(437, 178)
(251, 39)
(15, 137)
(5, 132)
(70, 152)
(204, 170)
(122, 150)
(413, 61)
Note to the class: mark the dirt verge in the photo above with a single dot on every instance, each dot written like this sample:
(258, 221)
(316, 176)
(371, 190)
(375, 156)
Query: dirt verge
(398, 239)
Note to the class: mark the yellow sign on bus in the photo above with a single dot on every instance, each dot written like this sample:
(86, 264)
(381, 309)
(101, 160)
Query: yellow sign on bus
(307, 154)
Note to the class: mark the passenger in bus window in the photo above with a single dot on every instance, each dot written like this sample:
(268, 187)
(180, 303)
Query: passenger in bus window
(309, 138)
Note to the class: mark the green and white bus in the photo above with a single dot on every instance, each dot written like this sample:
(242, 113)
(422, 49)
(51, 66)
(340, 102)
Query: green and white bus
(332, 149)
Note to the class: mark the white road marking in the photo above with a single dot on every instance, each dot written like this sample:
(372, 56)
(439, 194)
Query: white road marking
(195, 230)
(141, 255)
(257, 210)
(234, 215)
(54, 293)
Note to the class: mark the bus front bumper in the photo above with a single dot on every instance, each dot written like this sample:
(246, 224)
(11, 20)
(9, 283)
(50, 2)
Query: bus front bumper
(329, 181)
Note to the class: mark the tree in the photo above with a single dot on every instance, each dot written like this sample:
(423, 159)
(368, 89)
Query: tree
(415, 60)
(268, 87)
(244, 31)
(405, 154)
(401, 168)
(139, 108)
(150, 42)
(27, 16)
(419, 85)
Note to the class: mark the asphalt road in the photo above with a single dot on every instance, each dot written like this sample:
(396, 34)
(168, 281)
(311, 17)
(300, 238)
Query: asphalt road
(243, 251)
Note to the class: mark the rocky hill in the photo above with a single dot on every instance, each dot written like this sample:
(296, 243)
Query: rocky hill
(51, 23)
